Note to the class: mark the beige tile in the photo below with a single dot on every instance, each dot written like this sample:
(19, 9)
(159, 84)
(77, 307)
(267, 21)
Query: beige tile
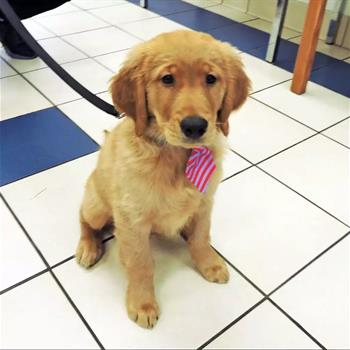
(266, 26)
(69, 23)
(123, 13)
(331, 50)
(254, 118)
(203, 3)
(230, 13)
(323, 289)
(295, 15)
(318, 169)
(149, 28)
(51, 216)
(318, 107)
(14, 103)
(37, 315)
(273, 328)
(340, 132)
(12, 268)
(241, 5)
(262, 9)
(5, 69)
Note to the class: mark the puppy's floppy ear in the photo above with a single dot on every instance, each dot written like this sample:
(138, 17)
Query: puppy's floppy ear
(237, 88)
(128, 93)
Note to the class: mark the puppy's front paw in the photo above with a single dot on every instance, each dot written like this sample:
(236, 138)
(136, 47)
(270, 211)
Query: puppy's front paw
(217, 273)
(212, 266)
(145, 314)
(89, 252)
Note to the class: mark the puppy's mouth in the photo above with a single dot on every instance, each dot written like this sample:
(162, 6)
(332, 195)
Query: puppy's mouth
(185, 142)
(190, 143)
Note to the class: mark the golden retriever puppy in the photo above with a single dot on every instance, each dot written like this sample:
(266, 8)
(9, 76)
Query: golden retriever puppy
(177, 91)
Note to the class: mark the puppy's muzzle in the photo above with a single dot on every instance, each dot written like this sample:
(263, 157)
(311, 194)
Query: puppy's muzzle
(194, 127)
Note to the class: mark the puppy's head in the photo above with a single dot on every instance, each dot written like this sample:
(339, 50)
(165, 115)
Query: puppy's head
(186, 81)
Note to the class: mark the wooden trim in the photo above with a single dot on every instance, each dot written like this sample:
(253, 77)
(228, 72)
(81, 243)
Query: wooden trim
(308, 44)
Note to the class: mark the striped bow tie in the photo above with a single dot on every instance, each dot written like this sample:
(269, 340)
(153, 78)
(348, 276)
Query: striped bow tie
(200, 167)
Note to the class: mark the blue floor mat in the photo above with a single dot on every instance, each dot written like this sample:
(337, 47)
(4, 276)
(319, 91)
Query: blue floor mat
(200, 19)
(335, 77)
(37, 141)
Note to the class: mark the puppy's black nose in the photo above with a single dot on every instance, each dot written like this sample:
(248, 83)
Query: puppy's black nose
(194, 127)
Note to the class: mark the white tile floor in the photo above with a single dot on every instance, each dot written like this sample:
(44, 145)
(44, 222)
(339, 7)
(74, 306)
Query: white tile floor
(280, 219)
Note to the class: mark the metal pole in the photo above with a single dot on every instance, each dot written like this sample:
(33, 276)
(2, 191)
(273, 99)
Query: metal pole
(277, 26)
(334, 23)
(144, 3)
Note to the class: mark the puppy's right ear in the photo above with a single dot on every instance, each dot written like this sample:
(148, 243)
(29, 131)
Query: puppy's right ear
(128, 94)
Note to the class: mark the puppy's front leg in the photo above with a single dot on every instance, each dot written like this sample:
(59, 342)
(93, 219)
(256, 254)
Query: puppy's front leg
(135, 254)
(208, 262)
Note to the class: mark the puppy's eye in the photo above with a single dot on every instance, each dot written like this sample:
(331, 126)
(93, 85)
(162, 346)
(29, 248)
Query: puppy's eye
(168, 79)
(210, 79)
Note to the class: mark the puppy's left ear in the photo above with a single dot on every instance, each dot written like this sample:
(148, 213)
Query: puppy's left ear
(237, 90)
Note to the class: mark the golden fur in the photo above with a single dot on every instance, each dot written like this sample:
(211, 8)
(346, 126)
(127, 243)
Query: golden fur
(139, 182)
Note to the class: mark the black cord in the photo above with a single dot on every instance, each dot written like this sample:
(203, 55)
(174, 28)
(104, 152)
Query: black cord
(16, 23)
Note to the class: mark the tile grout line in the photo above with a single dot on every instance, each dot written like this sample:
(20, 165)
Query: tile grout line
(108, 25)
(301, 141)
(33, 86)
(69, 299)
(80, 98)
(297, 324)
(61, 37)
(17, 284)
(284, 184)
(331, 126)
(338, 142)
(241, 273)
(301, 123)
(122, 29)
(73, 256)
(301, 195)
(309, 263)
(265, 297)
(78, 49)
(270, 86)
(283, 113)
(6, 63)
(62, 262)
(285, 149)
(236, 320)
(54, 166)
(236, 173)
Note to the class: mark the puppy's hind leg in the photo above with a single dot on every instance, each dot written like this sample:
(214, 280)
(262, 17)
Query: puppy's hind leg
(93, 217)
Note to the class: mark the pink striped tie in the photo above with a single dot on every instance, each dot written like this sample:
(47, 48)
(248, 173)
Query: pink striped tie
(200, 167)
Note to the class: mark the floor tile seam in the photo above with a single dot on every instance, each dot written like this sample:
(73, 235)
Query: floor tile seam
(42, 257)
